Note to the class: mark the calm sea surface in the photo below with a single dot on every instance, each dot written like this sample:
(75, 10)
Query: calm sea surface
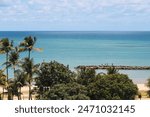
(90, 48)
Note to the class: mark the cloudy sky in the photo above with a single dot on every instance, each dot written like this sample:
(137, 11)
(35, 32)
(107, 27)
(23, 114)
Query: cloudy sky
(75, 15)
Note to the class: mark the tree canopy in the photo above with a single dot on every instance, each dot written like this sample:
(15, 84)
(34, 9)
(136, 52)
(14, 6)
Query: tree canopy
(112, 87)
(87, 85)
(69, 91)
(53, 73)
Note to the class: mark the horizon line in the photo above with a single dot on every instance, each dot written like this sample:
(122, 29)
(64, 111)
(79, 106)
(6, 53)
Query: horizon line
(74, 30)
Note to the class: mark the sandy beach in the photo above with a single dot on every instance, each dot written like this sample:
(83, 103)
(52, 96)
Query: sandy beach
(143, 90)
(142, 87)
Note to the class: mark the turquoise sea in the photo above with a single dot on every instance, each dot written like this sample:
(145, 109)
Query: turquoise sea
(90, 48)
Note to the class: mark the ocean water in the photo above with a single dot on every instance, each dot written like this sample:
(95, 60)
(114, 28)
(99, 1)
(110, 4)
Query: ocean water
(90, 48)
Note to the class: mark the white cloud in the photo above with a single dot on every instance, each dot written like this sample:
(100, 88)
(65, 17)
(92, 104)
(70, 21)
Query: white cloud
(5, 2)
(77, 4)
(71, 10)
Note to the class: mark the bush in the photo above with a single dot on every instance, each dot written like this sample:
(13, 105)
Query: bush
(85, 76)
(53, 73)
(56, 82)
(112, 87)
(69, 91)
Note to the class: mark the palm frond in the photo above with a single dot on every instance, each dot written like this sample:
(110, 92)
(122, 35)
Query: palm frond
(38, 49)
(2, 51)
(22, 49)
(22, 44)
(112, 70)
(8, 64)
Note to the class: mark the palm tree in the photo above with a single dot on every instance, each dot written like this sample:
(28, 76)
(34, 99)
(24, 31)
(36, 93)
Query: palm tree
(29, 68)
(11, 87)
(5, 47)
(15, 84)
(2, 81)
(112, 70)
(28, 45)
(13, 59)
(20, 81)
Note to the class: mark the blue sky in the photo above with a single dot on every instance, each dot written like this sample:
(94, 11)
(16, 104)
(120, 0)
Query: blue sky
(93, 15)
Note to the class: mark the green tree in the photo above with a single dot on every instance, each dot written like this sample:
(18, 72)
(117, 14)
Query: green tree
(13, 60)
(15, 84)
(20, 81)
(28, 45)
(52, 73)
(29, 69)
(5, 47)
(2, 82)
(112, 70)
(69, 91)
(12, 90)
(114, 86)
(85, 76)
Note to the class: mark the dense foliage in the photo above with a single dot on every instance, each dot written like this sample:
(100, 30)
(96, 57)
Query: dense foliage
(115, 86)
(55, 81)
(53, 73)
(50, 74)
(69, 91)
(86, 84)
(13, 61)
(85, 76)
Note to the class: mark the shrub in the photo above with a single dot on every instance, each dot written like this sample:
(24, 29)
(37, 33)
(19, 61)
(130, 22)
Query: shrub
(112, 87)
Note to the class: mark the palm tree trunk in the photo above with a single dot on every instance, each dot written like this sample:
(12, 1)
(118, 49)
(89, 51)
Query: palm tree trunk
(7, 75)
(14, 71)
(7, 66)
(0, 96)
(29, 90)
(9, 94)
(18, 96)
(20, 93)
(29, 54)
(12, 96)
(3, 93)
